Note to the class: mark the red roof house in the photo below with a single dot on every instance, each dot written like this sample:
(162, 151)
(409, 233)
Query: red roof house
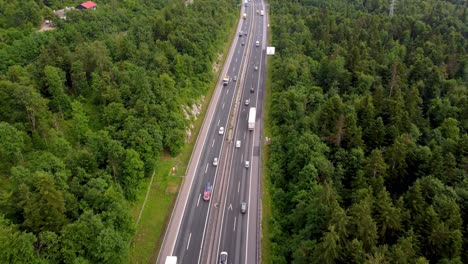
(87, 5)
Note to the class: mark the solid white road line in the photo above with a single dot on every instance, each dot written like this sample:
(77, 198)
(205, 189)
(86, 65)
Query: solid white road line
(198, 203)
(188, 243)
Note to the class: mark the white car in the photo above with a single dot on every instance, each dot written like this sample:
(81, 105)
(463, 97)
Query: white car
(215, 162)
(247, 102)
(257, 43)
(247, 163)
(223, 257)
(221, 130)
(238, 144)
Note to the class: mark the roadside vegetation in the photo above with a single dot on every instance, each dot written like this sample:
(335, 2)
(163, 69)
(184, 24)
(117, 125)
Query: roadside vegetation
(87, 111)
(368, 161)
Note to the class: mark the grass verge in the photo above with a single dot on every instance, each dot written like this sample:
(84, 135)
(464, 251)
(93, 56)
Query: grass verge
(266, 199)
(164, 189)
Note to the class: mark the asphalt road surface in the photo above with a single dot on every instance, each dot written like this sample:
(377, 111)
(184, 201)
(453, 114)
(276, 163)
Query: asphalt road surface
(199, 230)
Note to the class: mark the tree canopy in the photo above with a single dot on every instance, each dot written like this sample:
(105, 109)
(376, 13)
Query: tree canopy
(87, 111)
(368, 160)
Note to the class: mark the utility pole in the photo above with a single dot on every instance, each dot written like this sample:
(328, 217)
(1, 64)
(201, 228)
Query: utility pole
(392, 7)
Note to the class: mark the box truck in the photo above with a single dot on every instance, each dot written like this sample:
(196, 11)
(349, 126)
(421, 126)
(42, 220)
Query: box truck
(252, 116)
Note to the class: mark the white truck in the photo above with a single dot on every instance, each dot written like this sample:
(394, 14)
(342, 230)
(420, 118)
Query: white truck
(252, 116)
(171, 260)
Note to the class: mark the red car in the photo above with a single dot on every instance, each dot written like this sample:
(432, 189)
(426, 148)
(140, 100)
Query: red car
(207, 192)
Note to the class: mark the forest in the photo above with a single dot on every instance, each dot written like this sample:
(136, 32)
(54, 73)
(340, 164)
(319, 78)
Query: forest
(87, 111)
(369, 117)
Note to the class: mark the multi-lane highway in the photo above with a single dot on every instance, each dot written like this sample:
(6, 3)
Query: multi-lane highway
(200, 230)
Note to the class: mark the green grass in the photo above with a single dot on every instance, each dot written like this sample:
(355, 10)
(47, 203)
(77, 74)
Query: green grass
(157, 212)
(266, 199)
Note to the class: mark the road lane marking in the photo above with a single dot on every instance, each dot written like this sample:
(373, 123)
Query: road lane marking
(238, 187)
(212, 144)
(242, 157)
(244, 135)
(227, 91)
(222, 106)
(188, 243)
(206, 168)
(218, 122)
(235, 220)
(199, 195)
(236, 59)
(230, 207)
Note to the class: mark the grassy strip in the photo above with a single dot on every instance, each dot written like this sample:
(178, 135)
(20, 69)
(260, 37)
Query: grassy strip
(163, 192)
(266, 199)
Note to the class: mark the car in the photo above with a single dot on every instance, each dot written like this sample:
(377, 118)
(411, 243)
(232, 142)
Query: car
(234, 78)
(257, 11)
(238, 144)
(245, 33)
(256, 67)
(252, 89)
(221, 130)
(243, 207)
(215, 162)
(207, 192)
(243, 43)
(223, 257)
(247, 164)
(257, 43)
(247, 102)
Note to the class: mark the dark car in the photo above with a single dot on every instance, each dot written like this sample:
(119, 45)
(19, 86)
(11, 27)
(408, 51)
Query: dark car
(252, 89)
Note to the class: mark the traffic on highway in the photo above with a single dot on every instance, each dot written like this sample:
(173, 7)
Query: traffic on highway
(216, 215)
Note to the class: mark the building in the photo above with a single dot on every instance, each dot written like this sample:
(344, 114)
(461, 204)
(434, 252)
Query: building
(62, 12)
(87, 5)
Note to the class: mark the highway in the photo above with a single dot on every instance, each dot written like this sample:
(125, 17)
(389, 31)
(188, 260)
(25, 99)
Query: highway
(232, 231)
(199, 230)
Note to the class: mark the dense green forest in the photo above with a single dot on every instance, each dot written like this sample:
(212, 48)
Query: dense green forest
(87, 110)
(369, 154)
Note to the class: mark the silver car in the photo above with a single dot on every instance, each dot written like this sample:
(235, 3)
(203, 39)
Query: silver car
(243, 207)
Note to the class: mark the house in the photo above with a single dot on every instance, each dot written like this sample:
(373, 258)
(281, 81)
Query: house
(87, 5)
(62, 12)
